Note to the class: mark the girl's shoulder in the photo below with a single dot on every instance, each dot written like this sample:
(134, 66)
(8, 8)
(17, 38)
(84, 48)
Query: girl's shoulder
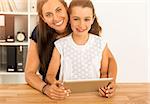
(96, 37)
(63, 39)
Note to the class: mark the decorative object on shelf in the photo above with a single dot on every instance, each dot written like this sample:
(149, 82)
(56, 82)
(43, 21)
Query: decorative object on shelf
(33, 5)
(10, 39)
(20, 36)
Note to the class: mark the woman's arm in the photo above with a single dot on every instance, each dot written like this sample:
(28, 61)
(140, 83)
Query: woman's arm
(53, 66)
(32, 65)
(34, 80)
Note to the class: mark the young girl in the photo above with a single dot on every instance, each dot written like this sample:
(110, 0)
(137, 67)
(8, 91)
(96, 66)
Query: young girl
(82, 54)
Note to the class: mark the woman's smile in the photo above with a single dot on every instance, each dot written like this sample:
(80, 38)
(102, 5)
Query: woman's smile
(59, 23)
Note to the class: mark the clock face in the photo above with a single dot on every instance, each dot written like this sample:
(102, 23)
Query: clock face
(20, 37)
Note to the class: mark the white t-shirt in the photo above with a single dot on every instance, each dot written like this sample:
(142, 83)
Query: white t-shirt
(80, 61)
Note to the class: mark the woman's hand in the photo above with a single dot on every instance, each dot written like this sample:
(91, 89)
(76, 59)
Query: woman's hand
(56, 91)
(108, 91)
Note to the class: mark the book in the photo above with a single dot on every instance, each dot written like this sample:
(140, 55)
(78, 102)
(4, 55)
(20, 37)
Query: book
(12, 5)
(2, 34)
(1, 8)
(9, 27)
(19, 59)
(25, 49)
(3, 58)
(11, 59)
(5, 6)
(2, 29)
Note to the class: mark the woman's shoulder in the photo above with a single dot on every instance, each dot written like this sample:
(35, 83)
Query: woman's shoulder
(34, 33)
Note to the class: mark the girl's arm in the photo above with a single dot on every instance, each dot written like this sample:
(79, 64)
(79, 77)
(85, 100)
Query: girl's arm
(108, 69)
(104, 63)
(53, 66)
(108, 65)
(112, 66)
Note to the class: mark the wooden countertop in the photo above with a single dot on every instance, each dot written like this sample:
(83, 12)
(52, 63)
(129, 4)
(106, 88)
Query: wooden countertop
(125, 94)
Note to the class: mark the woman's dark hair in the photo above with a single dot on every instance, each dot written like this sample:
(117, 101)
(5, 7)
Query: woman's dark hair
(95, 28)
(46, 36)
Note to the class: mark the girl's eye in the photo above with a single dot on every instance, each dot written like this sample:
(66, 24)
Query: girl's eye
(75, 19)
(87, 19)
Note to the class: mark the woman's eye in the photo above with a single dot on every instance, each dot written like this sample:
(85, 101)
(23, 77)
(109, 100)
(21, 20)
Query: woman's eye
(59, 10)
(48, 15)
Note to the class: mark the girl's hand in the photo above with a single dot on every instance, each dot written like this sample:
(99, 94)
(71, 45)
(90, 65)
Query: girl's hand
(108, 91)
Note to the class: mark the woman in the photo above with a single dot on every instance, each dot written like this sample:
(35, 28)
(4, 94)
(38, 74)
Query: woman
(53, 24)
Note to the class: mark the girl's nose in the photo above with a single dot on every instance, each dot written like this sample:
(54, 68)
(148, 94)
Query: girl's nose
(82, 24)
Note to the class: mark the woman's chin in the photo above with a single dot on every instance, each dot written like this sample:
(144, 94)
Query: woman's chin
(61, 29)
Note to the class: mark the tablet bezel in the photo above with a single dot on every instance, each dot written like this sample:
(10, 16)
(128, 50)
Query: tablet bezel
(88, 85)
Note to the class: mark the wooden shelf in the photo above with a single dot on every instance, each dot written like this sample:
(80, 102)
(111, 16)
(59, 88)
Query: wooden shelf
(14, 44)
(11, 73)
(33, 13)
(25, 20)
(15, 13)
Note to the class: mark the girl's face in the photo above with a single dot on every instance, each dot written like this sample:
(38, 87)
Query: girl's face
(55, 15)
(81, 20)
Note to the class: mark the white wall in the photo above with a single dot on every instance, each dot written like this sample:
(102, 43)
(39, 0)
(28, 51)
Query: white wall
(148, 33)
(125, 26)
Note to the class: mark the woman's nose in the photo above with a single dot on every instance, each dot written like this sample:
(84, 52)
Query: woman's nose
(56, 17)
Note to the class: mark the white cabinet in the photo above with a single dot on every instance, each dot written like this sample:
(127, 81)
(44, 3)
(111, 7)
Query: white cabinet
(24, 20)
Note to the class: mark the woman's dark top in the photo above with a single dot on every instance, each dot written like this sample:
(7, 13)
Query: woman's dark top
(41, 71)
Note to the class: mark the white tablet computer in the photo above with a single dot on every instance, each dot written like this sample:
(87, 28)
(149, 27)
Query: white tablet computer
(86, 85)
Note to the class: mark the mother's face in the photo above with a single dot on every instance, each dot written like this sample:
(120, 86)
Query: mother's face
(55, 15)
